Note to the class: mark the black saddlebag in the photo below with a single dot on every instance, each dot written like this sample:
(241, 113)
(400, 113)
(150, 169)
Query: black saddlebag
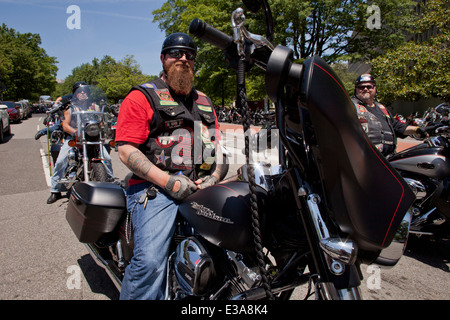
(94, 209)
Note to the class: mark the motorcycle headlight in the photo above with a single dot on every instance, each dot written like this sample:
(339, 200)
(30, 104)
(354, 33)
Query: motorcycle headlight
(72, 156)
(92, 129)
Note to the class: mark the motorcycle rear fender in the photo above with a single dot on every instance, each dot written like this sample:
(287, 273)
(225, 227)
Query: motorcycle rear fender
(365, 195)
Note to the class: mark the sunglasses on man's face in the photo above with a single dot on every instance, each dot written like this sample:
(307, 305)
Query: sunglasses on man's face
(369, 87)
(178, 53)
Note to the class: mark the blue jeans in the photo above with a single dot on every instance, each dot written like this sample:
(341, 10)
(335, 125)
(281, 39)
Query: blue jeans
(61, 165)
(43, 131)
(153, 227)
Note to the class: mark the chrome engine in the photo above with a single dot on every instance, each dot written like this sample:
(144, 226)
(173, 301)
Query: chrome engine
(197, 275)
(194, 268)
(417, 187)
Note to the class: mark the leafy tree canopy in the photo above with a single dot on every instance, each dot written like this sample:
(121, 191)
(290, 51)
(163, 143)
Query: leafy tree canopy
(26, 71)
(419, 68)
(115, 78)
(336, 30)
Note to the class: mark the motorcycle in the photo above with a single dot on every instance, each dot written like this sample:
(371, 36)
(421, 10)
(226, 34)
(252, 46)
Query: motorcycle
(332, 203)
(55, 139)
(86, 156)
(426, 168)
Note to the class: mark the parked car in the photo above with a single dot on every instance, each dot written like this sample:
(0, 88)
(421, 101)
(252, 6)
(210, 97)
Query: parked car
(14, 113)
(5, 127)
(28, 108)
(23, 111)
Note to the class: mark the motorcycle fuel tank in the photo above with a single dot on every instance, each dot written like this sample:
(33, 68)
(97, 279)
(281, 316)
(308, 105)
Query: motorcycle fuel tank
(222, 214)
(432, 162)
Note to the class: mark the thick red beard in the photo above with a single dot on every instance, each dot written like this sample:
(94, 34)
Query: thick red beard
(180, 79)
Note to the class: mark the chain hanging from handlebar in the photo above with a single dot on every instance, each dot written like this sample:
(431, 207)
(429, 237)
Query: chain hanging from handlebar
(242, 103)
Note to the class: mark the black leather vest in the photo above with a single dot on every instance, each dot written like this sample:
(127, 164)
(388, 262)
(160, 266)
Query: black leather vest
(180, 140)
(383, 137)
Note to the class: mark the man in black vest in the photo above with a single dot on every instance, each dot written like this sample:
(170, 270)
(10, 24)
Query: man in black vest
(376, 120)
(167, 133)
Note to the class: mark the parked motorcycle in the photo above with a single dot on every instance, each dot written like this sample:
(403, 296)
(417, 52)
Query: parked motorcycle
(426, 168)
(86, 156)
(55, 138)
(332, 203)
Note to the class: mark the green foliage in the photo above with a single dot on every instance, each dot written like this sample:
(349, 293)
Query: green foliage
(336, 30)
(418, 69)
(26, 71)
(115, 78)
(347, 78)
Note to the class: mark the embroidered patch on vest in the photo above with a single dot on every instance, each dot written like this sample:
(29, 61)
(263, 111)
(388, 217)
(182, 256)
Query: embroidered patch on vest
(172, 124)
(161, 158)
(165, 99)
(204, 108)
(165, 140)
(202, 100)
(148, 85)
(362, 108)
(209, 146)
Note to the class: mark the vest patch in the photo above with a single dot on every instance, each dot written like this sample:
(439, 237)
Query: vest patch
(148, 85)
(165, 140)
(165, 99)
(168, 103)
(204, 108)
(172, 124)
(161, 158)
(202, 100)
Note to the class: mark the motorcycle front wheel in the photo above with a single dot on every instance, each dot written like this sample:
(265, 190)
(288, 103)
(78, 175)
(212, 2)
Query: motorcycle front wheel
(98, 172)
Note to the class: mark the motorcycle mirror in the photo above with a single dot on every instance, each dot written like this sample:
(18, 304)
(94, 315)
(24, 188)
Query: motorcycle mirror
(65, 100)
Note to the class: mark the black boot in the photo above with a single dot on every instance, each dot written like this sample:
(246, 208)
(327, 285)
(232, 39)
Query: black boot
(38, 135)
(54, 197)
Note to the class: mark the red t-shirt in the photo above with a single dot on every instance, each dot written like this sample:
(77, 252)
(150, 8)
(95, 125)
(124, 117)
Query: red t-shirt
(135, 126)
(135, 116)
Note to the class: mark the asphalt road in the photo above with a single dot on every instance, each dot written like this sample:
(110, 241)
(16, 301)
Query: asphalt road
(41, 259)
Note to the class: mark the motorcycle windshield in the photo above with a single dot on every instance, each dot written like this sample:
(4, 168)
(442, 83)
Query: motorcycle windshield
(365, 195)
(83, 118)
(87, 104)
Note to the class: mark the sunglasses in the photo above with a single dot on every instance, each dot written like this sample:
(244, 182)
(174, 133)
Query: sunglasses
(178, 53)
(369, 87)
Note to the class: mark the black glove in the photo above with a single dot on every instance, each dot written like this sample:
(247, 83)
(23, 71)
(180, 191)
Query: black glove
(208, 181)
(187, 187)
(421, 132)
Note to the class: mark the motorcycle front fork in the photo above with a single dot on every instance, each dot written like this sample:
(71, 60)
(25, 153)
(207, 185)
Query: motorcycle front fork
(328, 291)
(334, 259)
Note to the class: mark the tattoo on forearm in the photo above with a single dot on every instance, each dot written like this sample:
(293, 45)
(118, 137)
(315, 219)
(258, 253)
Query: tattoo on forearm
(139, 164)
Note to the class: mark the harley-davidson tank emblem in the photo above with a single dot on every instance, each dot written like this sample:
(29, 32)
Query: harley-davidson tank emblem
(208, 213)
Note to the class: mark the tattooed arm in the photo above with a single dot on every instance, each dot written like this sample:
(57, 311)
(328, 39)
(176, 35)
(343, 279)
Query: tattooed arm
(138, 163)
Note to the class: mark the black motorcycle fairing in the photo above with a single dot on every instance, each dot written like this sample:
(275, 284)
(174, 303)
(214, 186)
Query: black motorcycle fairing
(364, 194)
(222, 214)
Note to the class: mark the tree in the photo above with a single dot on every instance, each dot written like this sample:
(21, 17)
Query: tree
(26, 70)
(118, 79)
(336, 30)
(114, 78)
(419, 69)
